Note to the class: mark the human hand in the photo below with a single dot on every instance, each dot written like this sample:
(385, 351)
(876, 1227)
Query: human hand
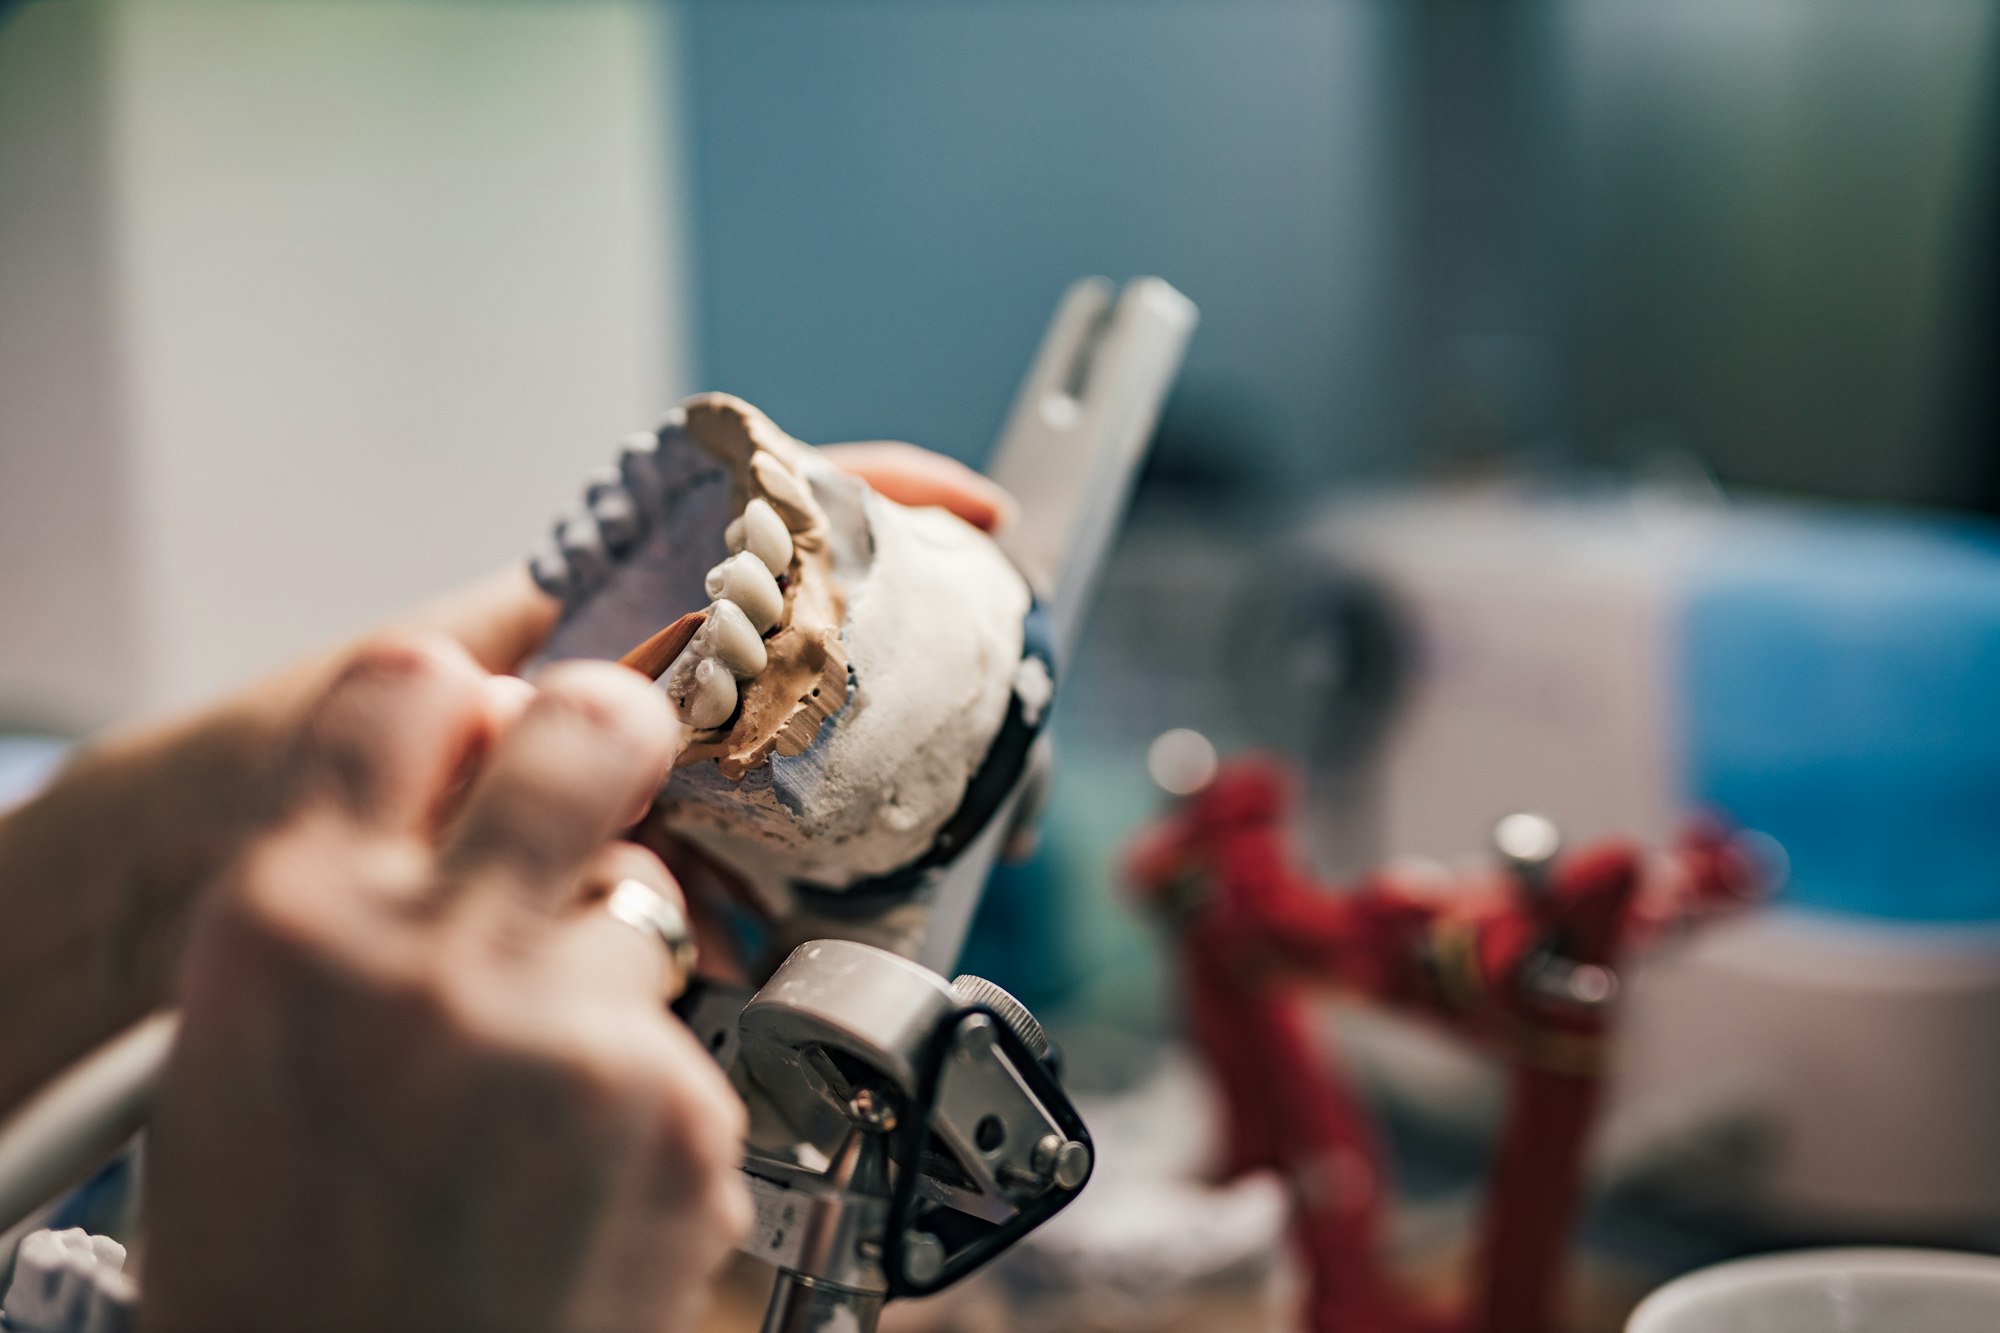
(912, 475)
(423, 1080)
(97, 874)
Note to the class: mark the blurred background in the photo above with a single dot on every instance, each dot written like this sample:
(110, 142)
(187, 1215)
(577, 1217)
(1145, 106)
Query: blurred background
(1592, 410)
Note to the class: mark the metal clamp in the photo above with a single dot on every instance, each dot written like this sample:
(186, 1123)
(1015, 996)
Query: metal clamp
(904, 1131)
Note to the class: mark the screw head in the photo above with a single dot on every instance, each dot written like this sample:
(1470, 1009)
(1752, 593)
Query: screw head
(975, 1039)
(1072, 1165)
(1527, 839)
(1528, 845)
(1181, 762)
(1065, 1161)
(923, 1256)
(1590, 984)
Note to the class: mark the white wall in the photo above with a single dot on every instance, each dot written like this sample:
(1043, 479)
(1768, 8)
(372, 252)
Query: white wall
(385, 280)
(66, 595)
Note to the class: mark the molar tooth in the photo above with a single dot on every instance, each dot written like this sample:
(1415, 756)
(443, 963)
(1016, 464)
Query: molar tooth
(744, 580)
(702, 690)
(763, 534)
(729, 635)
(787, 492)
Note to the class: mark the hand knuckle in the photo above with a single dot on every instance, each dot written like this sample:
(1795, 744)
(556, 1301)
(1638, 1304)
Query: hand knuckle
(407, 655)
(339, 744)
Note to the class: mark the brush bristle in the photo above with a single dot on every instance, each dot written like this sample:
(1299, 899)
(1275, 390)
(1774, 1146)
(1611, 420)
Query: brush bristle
(656, 654)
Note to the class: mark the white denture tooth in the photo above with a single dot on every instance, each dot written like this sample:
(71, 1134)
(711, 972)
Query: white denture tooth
(582, 546)
(639, 463)
(760, 531)
(702, 690)
(787, 492)
(733, 640)
(618, 516)
(619, 519)
(599, 480)
(746, 581)
(550, 571)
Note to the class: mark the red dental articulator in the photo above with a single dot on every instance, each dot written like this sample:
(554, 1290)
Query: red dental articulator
(1521, 959)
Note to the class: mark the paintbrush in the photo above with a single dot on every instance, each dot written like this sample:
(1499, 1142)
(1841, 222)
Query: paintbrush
(651, 658)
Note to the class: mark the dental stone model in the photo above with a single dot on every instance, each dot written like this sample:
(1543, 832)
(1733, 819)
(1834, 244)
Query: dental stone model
(861, 677)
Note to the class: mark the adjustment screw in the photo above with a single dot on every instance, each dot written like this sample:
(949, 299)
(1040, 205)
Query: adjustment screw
(1528, 845)
(923, 1256)
(975, 1039)
(1062, 1160)
(1590, 984)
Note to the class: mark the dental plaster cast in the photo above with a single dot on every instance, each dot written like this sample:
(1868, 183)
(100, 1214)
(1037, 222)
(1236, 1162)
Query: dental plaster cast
(855, 663)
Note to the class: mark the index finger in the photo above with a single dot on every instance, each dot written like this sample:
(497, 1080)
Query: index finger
(591, 747)
(913, 476)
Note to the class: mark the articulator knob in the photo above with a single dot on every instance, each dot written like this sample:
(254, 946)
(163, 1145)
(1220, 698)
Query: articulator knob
(979, 991)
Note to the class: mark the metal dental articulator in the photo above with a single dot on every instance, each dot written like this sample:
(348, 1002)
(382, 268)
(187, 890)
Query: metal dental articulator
(904, 1128)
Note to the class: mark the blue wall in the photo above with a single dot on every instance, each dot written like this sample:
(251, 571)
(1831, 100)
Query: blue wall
(889, 198)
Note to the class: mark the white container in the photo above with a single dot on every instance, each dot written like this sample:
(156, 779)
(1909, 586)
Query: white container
(1831, 1291)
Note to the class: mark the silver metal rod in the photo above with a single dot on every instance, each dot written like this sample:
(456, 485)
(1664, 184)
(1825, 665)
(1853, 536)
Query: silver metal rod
(801, 1305)
(73, 1124)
